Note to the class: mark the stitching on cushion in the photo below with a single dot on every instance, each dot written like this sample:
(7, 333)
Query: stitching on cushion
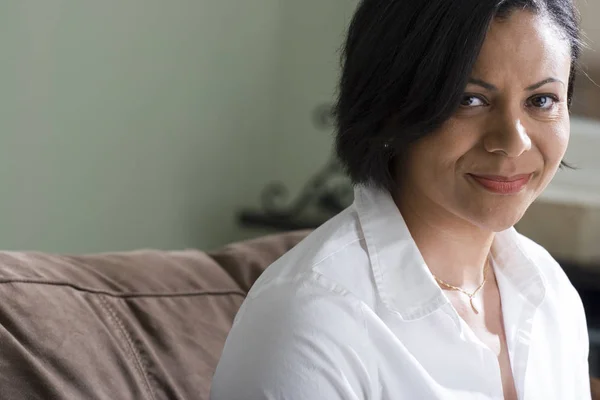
(225, 292)
(135, 357)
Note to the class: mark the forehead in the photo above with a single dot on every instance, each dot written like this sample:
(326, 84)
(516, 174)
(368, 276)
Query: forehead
(524, 44)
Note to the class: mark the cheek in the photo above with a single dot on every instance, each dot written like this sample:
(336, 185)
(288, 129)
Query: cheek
(460, 142)
(553, 143)
(425, 165)
(455, 139)
(432, 159)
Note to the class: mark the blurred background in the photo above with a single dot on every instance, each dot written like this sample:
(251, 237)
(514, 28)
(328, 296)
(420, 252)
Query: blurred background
(147, 123)
(154, 124)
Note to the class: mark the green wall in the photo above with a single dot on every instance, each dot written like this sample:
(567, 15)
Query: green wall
(136, 123)
(312, 37)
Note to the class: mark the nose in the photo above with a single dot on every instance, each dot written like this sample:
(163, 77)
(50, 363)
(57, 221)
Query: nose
(508, 137)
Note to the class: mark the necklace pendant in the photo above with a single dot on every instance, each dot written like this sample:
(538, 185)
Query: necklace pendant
(473, 306)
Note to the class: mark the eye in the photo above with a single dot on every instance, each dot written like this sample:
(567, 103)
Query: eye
(543, 102)
(472, 101)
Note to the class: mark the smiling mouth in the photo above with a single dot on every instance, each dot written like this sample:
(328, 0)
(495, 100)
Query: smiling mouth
(502, 184)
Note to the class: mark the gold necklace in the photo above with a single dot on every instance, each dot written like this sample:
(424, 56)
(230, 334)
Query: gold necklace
(470, 295)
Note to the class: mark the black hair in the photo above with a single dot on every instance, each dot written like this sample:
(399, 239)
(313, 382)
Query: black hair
(405, 65)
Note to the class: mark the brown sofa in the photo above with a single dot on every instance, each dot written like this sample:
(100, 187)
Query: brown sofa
(139, 325)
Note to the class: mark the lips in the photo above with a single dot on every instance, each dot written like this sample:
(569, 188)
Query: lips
(502, 184)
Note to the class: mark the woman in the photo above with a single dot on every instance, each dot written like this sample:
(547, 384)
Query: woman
(453, 116)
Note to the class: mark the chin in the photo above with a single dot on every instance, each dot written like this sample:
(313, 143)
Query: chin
(501, 225)
(493, 212)
(497, 219)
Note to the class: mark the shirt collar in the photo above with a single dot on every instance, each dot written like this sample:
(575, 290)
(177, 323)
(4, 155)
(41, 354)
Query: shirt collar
(403, 279)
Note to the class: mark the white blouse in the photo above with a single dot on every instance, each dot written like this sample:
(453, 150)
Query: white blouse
(353, 312)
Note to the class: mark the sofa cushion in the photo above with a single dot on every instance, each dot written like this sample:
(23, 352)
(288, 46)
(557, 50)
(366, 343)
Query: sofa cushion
(138, 325)
(245, 261)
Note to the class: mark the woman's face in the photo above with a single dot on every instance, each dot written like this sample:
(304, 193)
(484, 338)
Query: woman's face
(499, 151)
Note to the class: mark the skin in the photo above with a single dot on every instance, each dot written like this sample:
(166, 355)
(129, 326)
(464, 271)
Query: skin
(512, 121)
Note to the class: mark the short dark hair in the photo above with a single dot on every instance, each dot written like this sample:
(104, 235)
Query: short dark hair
(405, 65)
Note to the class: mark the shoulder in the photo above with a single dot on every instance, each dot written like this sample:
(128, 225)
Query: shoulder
(306, 300)
(335, 252)
(304, 336)
(562, 302)
(561, 295)
(554, 276)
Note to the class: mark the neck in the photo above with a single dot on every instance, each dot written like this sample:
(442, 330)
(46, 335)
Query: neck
(455, 250)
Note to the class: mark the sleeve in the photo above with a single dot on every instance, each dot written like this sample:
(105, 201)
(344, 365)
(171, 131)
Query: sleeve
(296, 342)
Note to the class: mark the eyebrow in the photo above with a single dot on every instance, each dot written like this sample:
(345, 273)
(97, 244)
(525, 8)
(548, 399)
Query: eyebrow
(492, 88)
